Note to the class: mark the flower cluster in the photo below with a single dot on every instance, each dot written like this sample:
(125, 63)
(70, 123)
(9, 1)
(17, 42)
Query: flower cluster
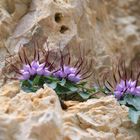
(126, 87)
(122, 82)
(69, 73)
(29, 70)
(54, 69)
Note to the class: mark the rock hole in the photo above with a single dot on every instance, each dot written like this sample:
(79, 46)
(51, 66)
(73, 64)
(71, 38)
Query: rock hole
(63, 29)
(58, 17)
(52, 101)
(63, 105)
(67, 138)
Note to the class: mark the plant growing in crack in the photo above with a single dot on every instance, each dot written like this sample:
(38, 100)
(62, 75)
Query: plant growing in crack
(124, 86)
(67, 79)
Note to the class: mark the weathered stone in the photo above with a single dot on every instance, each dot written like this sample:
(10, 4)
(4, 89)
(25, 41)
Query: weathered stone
(128, 26)
(38, 116)
(102, 119)
(73, 23)
(30, 116)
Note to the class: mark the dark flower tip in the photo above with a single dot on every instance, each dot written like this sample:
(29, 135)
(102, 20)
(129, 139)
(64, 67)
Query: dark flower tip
(76, 72)
(41, 62)
(26, 65)
(123, 81)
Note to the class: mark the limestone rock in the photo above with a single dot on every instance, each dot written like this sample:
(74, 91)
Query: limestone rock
(99, 119)
(30, 116)
(99, 26)
(38, 116)
(11, 12)
(104, 29)
(128, 26)
(73, 22)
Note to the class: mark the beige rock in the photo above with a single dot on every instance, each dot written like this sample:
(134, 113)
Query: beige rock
(99, 119)
(71, 22)
(38, 116)
(10, 13)
(128, 26)
(30, 116)
(126, 20)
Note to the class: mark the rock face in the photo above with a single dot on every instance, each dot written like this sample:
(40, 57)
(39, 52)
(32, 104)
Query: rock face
(99, 119)
(33, 116)
(11, 11)
(38, 116)
(64, 22)
(127, 24)
(106, 29)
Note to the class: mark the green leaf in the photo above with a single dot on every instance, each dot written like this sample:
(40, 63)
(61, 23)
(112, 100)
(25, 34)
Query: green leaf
(84, 95)
(52, 79)
(122, 102)
(36, 80)
(62, 82)
(82, 83)
(73, 89)
(105, 91)
(33, 89)
(61, 89)
(26, 83)
(26, 89)
(134, 115)
(53, 85)
(94, 90)
(71, 86)
(133, 101)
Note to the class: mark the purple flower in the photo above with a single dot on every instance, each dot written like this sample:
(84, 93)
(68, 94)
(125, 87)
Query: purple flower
(25, 76)
(69, 73)
(74, 78)
(35, 64)
(33, 69)
(46, 72)
(126, 87)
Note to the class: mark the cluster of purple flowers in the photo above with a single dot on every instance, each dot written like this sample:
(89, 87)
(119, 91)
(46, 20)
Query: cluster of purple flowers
(127, 87)
(59, 66)
(35, 68)
(69, 73)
